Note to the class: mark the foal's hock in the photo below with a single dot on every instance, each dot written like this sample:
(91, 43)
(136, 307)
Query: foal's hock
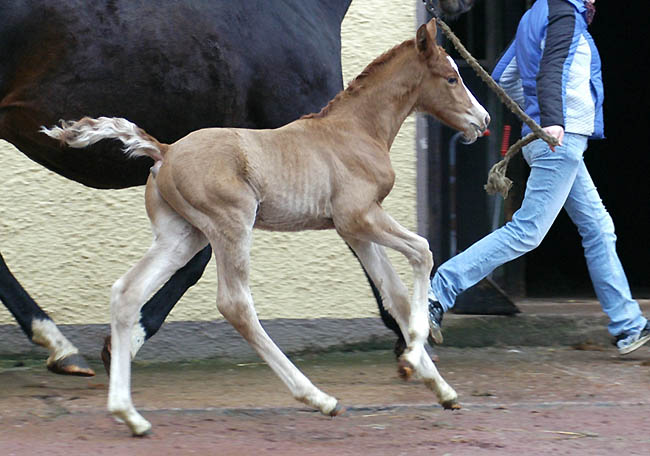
(326, 170)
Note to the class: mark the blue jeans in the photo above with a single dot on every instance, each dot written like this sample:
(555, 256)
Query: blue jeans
(557, 179)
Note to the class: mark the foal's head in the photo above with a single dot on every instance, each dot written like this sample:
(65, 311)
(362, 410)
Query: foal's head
(442, 92)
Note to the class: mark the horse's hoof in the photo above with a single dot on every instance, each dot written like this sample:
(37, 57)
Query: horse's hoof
(74, 364)
(451, 405)
(405, 369)
(336, 411)
(106, 355)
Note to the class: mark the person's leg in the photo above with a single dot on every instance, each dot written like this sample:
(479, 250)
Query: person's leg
(596, 227)
(551, 178)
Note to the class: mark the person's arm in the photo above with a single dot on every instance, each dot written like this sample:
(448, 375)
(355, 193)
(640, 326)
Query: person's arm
(559, 45)
(506, 74)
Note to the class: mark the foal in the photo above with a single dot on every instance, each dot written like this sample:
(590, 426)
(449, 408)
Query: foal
(326, 170)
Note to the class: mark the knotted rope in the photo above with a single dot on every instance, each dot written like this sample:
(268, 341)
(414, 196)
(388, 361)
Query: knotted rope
(497, 180)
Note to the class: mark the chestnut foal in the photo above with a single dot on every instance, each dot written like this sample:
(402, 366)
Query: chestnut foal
(326, 170)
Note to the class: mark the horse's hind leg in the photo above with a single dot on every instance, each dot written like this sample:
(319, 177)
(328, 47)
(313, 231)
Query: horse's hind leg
(386, 317)
(235, 302)
(36, 324)
(175, 242)
(375, 261)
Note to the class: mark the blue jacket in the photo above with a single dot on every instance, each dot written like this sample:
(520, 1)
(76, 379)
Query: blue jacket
(552, 68)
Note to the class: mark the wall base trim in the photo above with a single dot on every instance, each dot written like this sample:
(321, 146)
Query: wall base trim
(209, 339)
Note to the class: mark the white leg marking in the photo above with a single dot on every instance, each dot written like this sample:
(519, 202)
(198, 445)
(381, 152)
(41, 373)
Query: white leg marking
(138, 337)
(46, 334)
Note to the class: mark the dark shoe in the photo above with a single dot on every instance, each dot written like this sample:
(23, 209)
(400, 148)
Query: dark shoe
(627, 343)
(436, 313)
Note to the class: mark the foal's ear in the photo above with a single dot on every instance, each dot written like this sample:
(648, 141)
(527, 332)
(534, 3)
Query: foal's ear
(432, 29)
(425, 39)
(422, 41)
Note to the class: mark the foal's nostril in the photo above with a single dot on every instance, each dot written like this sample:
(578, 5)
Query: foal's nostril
(487, 120)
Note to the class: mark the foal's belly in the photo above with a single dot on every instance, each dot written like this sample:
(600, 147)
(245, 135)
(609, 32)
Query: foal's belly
(293, 217)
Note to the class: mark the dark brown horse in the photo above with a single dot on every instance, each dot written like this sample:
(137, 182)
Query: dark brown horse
(171, 67)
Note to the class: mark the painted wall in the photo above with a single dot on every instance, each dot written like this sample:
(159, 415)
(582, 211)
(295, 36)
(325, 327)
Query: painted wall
(67, 243)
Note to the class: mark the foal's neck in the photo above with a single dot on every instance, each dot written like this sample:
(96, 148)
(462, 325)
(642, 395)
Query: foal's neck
(383, 95)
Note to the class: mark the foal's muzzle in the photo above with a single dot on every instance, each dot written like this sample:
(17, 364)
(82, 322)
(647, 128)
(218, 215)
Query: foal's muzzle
(474, 132)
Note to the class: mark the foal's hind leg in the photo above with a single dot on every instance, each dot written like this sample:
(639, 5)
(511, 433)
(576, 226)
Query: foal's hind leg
(395, 298)
(232, 251)
(175, 242)
(154, 312)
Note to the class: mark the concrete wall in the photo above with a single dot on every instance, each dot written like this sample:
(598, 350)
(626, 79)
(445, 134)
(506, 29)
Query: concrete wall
(67, 243)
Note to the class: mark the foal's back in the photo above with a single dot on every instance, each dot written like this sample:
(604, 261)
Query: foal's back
(288, 174)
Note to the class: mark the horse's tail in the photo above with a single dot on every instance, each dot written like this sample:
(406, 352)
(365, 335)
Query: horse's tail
(87, 131)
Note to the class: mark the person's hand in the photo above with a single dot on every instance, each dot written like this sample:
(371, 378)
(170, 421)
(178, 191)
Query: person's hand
(557, 132)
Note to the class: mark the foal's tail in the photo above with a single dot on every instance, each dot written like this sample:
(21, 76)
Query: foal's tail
(87, 131)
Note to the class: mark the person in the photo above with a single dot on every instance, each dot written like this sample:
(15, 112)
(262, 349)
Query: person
(552, 69)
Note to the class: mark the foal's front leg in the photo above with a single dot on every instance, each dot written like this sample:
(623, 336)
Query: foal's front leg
(375, 261)
(376, 226)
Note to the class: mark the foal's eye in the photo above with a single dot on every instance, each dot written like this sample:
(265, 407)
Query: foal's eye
(452, 80)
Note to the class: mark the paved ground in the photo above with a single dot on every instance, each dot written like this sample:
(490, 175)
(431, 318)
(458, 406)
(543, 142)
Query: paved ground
(516, 400)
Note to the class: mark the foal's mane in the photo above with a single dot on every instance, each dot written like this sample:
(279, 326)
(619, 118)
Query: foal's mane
(357, 82)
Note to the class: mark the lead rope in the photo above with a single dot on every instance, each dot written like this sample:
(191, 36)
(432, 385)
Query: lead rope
(497, 181)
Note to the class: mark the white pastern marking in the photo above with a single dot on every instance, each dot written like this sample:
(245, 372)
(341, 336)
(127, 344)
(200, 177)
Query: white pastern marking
(137, 339)
(46, 334)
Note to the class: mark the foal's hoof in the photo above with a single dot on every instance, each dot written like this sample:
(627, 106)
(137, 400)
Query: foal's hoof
(71, 365)
(336, 411)
(451, 405)
(106, 355)
(405, 369)
(142, 434)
